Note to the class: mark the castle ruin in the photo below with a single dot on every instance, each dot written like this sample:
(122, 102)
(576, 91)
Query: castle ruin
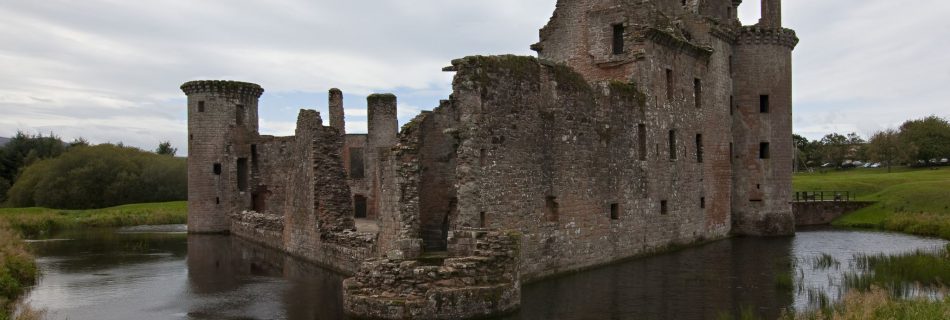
(641, 124)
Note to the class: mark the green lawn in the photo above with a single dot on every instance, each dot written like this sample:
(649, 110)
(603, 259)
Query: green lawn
(915, 201)
(38, 221)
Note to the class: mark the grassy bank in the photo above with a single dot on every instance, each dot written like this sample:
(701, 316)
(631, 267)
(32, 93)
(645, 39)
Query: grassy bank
(33, 222)
(17, 269)
(914, 201)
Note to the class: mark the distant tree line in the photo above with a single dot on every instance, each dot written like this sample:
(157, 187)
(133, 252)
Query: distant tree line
(44, 171)
(921, 142)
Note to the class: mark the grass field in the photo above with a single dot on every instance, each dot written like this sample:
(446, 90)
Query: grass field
(915, 201)
(33, 222)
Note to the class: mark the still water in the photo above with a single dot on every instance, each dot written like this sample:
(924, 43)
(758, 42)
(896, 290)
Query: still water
(166, 274)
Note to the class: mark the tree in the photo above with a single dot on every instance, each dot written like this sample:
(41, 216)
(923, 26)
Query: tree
(165, 148)
(100, 176)
(23, 150)
(928, 137)
(79, 142)
(885, 147)
(834, 148)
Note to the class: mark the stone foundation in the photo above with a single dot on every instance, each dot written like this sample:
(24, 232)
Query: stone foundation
(480, 280)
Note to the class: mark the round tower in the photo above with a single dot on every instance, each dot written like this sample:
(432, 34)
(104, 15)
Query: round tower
(222, 123)
(762, 126)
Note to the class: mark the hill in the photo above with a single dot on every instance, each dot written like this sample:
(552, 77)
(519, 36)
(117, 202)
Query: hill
(3, 141)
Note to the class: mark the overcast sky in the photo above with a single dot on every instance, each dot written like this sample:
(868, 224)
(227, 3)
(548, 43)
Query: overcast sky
(109, 70)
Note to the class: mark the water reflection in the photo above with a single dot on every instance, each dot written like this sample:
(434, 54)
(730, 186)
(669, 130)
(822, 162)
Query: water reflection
(106, 275)
(695, 283)
(102, 274)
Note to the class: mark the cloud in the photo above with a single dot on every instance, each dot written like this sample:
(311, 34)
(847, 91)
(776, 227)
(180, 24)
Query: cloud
(109, 70)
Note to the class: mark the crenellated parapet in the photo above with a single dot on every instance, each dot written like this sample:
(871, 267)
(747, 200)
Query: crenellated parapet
(755, 35)
(221, 87)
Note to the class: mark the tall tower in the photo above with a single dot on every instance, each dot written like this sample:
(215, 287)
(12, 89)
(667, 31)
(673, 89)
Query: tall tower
(762, 126)
(222, 123)
(336, 111)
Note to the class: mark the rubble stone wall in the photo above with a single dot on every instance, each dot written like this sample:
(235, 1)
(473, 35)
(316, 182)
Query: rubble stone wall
(482, 283)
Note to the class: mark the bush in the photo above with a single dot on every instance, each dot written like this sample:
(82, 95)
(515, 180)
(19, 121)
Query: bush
(100, 176)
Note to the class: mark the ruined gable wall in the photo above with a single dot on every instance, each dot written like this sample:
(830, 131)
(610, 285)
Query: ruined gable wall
(547, 133)
(399, 234)
(301, 234)
(437, 195)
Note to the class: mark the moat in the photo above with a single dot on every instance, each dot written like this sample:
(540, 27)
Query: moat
(167, 274)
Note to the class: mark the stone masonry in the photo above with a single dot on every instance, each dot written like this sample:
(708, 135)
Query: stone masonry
(642, 124)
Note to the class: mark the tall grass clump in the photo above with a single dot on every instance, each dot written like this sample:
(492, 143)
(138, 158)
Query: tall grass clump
(17, 269)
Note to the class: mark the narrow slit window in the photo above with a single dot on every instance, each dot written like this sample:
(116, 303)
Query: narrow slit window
(618, 39)
(482, 220)
(699, 148)
(216, 169)
(698, 92)
(669, 85)
(642, 141)
(702, 203)
(672, 140)
(482, 157)
(764, 150)
(664, 207)
(357, 170)
(551, 209)
(201, 106)
(764, 103)
(242, 174)
(614, 211)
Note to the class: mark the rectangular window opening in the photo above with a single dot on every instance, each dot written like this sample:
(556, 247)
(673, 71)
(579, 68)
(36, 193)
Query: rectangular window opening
(359, 206)
(201, 106)
(614, 211)
(672, 140)
(482, 222)
(242, 174)
(550, 209)
(217, 169)
(764, 150)
(699, 148)
(642, 141)
(702, 203)
(482, 157)
(618, 39)
(254, 157)
(217, 200)
(669, 85)
(357, 170)
(698, 92)
(664, 207)
(259, 200)
(764, 103)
